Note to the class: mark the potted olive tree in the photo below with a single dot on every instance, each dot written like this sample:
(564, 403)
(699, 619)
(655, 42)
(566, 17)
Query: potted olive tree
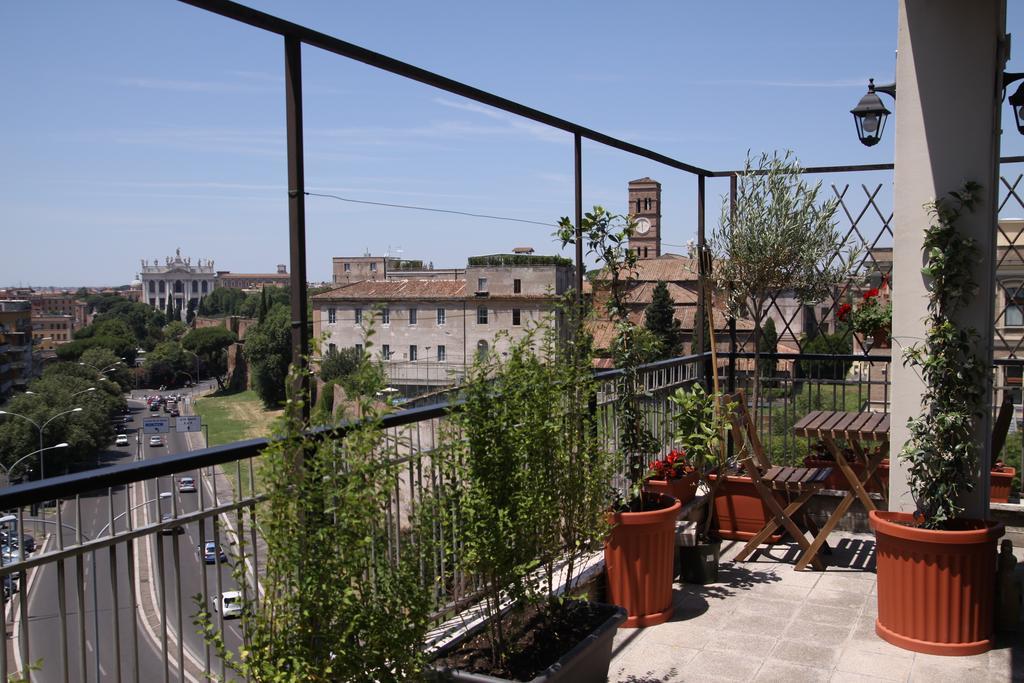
(935, 567)
(532, 484)
(639, 550)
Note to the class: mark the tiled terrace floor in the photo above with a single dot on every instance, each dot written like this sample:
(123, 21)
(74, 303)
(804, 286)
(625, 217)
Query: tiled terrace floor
(767, 622)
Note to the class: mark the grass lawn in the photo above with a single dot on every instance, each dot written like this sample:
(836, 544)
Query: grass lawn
(235, 417)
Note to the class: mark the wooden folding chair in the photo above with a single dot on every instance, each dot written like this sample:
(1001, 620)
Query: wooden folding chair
(801, 482)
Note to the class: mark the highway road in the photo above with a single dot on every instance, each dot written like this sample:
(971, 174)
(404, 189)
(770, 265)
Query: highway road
(169, 610)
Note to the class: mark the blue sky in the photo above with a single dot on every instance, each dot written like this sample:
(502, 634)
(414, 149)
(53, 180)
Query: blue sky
(132, 128)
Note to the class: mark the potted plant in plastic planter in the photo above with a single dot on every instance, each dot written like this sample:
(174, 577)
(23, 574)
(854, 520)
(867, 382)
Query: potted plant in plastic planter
(673, 475)
(531, 479)
(935, 567)
(872, 318)
(701, 422)
(639, 550)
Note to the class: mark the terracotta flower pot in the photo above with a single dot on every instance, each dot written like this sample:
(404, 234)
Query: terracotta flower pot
(682, 489)
(638, 559)
(935, 588)
(880, 338)
(1002, 481)
(740, 510)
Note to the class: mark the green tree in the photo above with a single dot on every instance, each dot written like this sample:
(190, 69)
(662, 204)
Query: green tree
(211, 345)
(117, 370)
(339, 363)
(170, 308)
(221, 301)
(779, 237)
(175, 330)
(660, 320)
(839, 343)
(769, 342)
(268, 351)
(190, 314)
(169, 364)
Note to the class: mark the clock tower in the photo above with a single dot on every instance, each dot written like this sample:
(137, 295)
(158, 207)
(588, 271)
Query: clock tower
(645, 209)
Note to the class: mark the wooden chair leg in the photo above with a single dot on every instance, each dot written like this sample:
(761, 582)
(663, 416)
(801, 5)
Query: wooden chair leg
(765, 533)
(805, 517)
(780, 516)
(822, 537)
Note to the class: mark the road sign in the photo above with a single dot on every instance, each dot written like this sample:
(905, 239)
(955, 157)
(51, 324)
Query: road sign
(188, 423)
(156, 425)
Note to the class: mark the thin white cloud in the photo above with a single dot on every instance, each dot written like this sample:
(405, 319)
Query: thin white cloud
(512, 123)
(192, 86)
(837, 83)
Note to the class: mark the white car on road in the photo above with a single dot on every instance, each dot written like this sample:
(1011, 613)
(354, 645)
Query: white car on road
(156, 441)
(186, 485)
(121, 440)
(230, 604)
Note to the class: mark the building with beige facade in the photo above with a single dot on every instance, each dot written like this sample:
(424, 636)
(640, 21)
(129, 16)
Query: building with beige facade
(427, 331)
(253, 281)
(16, 366)
(176, 279)
(51, 330)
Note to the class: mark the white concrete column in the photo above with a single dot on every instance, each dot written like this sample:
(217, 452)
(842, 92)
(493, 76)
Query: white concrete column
(948, 79)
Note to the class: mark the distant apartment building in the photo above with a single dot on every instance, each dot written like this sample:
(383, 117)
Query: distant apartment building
(427, 331)
(349, 269)
(15, 345)
(51, 330)
(253, 281)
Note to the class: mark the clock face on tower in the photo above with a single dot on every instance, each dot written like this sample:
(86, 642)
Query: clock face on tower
(643, 226)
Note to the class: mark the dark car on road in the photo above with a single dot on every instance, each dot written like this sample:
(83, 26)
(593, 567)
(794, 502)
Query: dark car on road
(170, 530)
(210, 551)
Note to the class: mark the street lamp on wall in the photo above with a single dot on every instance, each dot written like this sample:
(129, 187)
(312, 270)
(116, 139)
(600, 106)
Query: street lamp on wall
(870, 114)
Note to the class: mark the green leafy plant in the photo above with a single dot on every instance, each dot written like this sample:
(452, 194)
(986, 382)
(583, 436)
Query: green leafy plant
(874, 314)
(942, 451)
(530, 475)
(779, 237)
(339, 602)
(660, 320)
(606, 236)
(701, 422)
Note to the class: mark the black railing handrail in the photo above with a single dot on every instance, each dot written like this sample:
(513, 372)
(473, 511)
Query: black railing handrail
(282, 27)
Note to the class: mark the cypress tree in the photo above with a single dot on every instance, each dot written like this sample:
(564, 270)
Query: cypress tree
(768, 343)
(660, 320)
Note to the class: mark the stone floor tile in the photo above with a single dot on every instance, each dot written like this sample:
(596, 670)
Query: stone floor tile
(818, 654)
(853, 582)
(692, 634)
(644, 664)
(746, 645)
(880, 666)
(847, 677)
(951, 669)
(782, 591)
(757, 605)
(756, 624)
(777, 670)
(711, 666)
(626, 638)
(834, 616)
(811, 632)
(834, 598)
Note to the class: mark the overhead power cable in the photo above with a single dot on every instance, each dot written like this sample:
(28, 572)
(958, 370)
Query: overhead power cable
(427, 208)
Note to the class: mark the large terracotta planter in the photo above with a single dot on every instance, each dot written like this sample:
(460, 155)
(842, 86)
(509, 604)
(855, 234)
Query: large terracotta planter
(1002, 481)
(682, 489)
(638, 559)
(935, 588)
(740, 510)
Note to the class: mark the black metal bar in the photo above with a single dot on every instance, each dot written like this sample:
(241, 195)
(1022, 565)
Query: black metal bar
(578, 174)
(268, 22)
(705, 318)
(854, 168)
(297, 217)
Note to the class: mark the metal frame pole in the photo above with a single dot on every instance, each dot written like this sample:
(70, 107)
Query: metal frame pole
(297, 217)
(578, 175)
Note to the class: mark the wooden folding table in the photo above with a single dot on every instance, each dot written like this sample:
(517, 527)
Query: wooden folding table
(856, 429)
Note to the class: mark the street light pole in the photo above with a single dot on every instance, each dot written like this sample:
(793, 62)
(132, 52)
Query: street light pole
(7, 470)
(42, 428)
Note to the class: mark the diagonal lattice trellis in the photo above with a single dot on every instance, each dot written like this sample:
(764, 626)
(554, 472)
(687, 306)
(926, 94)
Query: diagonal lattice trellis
(865, 226)
(1009, 320)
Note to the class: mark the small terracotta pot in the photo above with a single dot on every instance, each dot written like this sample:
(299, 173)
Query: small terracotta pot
(880, 338)
(682, 489)
(1001, 481)
(935, 588)
(638, 559)
(740, 510)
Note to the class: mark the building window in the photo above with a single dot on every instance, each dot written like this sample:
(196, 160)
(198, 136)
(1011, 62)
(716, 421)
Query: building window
(442, 355)
(645, 252)
(647, 204)
(638, 206)
(332, 315)
(205, 287)
(515, 316)
(481, 349)
(1014, 315)
(373, 267)
(385, 316)
(152, 302)
(481, 315)
(385, 351)
(332, 348)
(481, 284)
(358, 313)
(152, 287)
(347, 267)
(517, 286)
(162, 302)
(412, 316)
(195, 286)
(440, 316)
(162, 287)
(412, 352)
(359, 350)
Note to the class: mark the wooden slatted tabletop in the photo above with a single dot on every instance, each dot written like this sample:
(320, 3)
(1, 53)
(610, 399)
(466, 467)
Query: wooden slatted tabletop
(840, 423)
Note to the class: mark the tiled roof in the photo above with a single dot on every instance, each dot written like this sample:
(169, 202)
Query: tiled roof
(667, 267)
(387, 290)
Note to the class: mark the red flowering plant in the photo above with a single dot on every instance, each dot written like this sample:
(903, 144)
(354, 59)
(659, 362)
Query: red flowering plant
(672, 466)
(873, 314)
